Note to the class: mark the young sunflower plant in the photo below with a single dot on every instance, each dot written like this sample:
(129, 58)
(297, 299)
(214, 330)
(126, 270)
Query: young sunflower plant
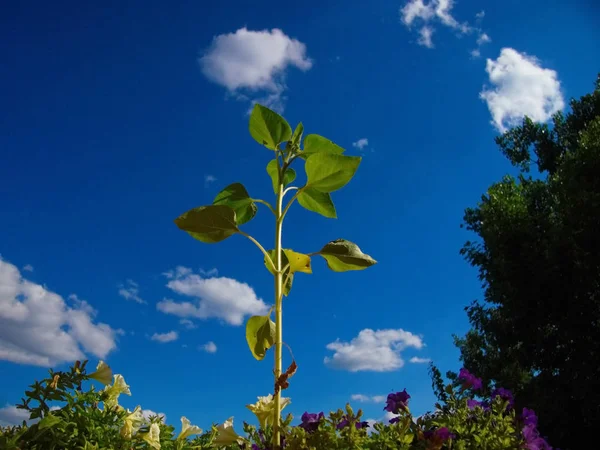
(327, 170)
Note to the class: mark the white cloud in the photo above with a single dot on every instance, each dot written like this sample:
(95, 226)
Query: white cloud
(10, 415)
(218, 297)
(165, 337)
(425, 35)
(417, 360)
(209, 347)
(389, 416)
(148, 412)
(187, 323)
(520, 87)
(38, 327)
(178, 272)
(130, 291)
(480, 15)
(28, 268)
(361, 143)
(432, 12)
(254, 62)
(377, 351)
(475, 53)
(368, 398)
(483, 39)
(208, 179)
(208, 273)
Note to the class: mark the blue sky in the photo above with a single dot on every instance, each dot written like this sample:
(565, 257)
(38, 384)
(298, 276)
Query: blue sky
(117, 118)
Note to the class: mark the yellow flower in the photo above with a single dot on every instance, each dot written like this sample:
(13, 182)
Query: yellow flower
(103, 373)
(152, 436)
(133, 422)
(264, 409)
(187, 429)
(227, 435)
(118, 387)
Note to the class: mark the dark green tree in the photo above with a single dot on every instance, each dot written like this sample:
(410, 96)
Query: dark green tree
(537, 251)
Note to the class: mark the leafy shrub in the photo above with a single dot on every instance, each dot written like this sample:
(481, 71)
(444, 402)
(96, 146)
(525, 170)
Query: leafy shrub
(94, 420)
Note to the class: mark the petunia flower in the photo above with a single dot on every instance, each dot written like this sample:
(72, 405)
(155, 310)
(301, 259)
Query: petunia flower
(505, 395)
(132, 423)
(310, 421)
(394, 420)
(118, 387)
(103, 373)
(345, 422)
(468, 380)
(529, 417)
(397, 402)
(264, 409)
(187, 429)
(533, 440)
(227, 435)
(152, 437)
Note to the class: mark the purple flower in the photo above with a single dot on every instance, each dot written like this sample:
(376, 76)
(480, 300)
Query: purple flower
(310, 421)
(505, 395)
(468, 380)
(395, 420)
(472, 403)
(529, 417)
(440, 435)
(345, 422)
(533, 440)
(397, 402)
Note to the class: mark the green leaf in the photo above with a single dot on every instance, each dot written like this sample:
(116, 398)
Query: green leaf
(236, 197)
(313, 143)
(288, 176)
(49, 421)
(342, 255)
(260, 334)
(284, 261)
(268, 128)
(297, 136)
(208, 224)
(316, 201)
(326, 172)
(299, 262)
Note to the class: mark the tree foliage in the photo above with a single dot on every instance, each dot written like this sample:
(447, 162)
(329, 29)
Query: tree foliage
(537, 332)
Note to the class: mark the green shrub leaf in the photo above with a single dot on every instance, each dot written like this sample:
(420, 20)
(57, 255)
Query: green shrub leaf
(236, 197)
(268, 128)
(317, 201)
(342, 255)
(327, 172)
(49, 421)
(260, 334)
(208, 224)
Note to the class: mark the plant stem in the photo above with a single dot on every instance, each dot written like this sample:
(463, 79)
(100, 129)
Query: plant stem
(278, 315)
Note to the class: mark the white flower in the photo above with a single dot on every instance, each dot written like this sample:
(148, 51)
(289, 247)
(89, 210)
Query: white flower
(227, 435)
(103, 373)
(187, 429)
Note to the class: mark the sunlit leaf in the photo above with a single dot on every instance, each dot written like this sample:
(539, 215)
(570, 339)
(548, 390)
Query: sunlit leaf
(342, 255)
(288, 176)
(268, 128)
(236, 197)
(299, 262)
(327, 172)
(260, 335)
(313, 143)
(286, 274)
(208, 224)
(317, 201)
